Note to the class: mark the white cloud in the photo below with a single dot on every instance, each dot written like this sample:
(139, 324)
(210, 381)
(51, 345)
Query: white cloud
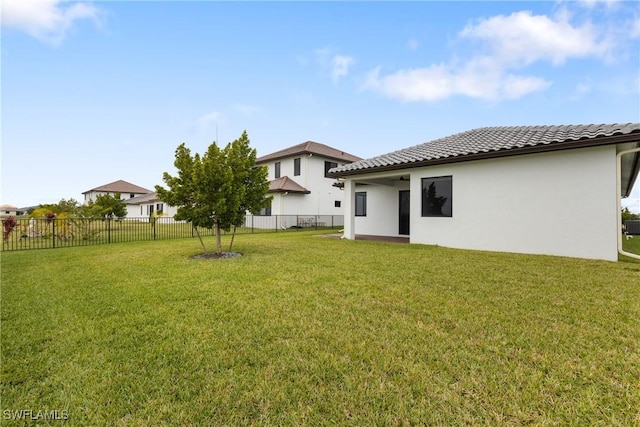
(340, 66)
(337, 65)
(514, 87)
(441, 81)
(523, 38)
(590, 4)
(634, 32)
(46, 20)
(505, 44)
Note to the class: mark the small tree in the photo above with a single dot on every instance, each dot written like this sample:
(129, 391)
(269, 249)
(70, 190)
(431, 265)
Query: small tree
(628, 215)
(64, 208)
(107, 205)
(215, 191)
(249, 185)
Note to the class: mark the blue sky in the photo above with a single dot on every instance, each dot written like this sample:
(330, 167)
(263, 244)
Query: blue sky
(93, 92)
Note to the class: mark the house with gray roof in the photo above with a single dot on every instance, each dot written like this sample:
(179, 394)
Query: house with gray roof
(145, 205)
(300, 185)
(528, 189)
(126, 189)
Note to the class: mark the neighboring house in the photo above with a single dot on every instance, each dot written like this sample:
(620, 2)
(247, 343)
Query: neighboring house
(528, 189)
(126, 189)
(299, 181)
(9, 210)
(145, 205)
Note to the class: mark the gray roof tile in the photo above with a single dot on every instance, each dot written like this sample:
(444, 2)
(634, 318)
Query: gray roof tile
(286, 184)
(487, 142)
(309, 147)
(120, 186)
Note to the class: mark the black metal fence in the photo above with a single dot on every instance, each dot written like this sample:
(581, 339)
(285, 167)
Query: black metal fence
(632, 227)
(49, 233)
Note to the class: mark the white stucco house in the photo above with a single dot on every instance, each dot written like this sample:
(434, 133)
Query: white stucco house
(144, 205)
(8, 210)
(299, 180)
(526, 189)
(126, 189)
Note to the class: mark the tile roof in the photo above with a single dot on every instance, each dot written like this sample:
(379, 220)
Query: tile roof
(491, 142)
(120, 186)
(149, 197)
(286, 184)
(310, 147)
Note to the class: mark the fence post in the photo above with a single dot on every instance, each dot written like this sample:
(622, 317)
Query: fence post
(277, 223)
(108, 230)
(252, 216)
(53, 231)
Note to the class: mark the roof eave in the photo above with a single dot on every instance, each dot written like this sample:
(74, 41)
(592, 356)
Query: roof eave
(282, 190)
(267, 159)
(634, 175)
(556, 146)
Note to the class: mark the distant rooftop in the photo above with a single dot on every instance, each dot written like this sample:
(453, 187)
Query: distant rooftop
(310, 147)
(120, 186)
(149, 197)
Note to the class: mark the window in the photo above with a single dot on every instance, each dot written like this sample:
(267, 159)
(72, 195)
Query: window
(131, 195)
(277, 174)
(141, 210)
(149, 209)
(437, 196)
(160, 207)
(361, 204)
(265, 211)
(296, 166)
(327, 166)
(337, 203)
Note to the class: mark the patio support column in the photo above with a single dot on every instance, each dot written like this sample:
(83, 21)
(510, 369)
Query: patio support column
(349, 209)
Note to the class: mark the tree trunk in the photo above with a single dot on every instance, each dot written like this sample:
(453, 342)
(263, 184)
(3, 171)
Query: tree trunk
(233, 236)
(200, 238)
(218, 239)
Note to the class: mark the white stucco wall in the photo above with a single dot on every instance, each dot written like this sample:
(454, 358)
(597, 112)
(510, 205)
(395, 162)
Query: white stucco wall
(93, 195)
(561, 203)
(134, 210)
(382, 209)
(321, 200)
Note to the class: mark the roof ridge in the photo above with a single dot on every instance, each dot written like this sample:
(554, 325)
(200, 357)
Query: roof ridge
(488, 141)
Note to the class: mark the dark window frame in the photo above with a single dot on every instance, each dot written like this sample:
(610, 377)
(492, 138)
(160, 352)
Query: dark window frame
(277, 171)
(337, 204)
(361, 208)
(328, 166)
(297, 166)
(432, 205)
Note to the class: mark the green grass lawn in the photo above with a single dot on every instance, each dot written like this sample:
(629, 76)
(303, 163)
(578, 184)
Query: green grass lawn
(305, 330)
(631, 245)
